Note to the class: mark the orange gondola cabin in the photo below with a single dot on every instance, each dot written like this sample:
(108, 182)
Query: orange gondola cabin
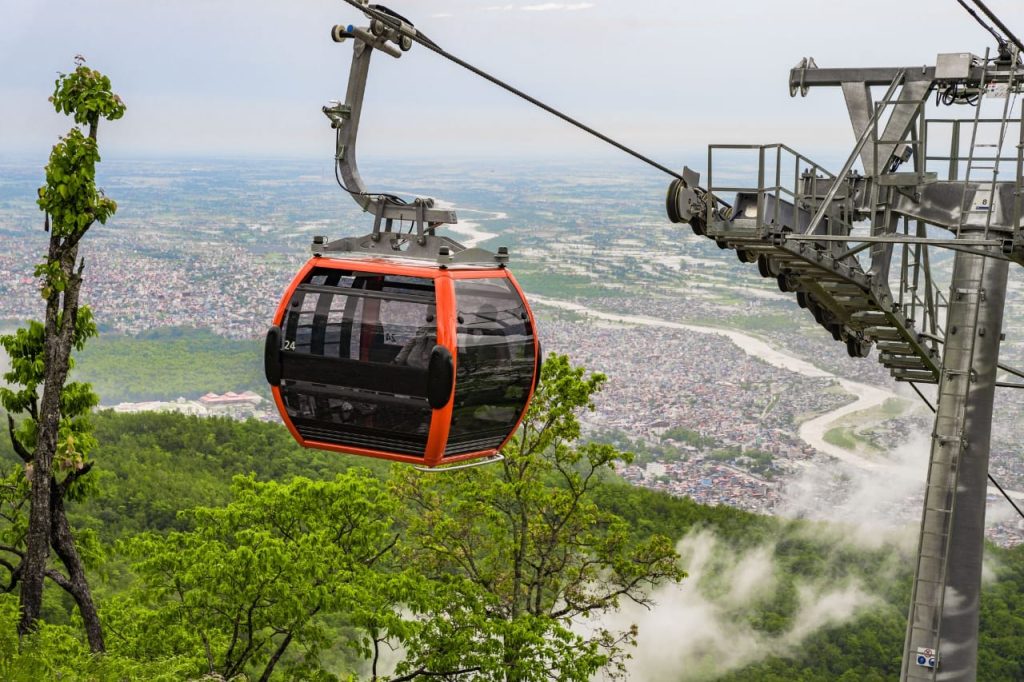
(403, 360)
(403, 345)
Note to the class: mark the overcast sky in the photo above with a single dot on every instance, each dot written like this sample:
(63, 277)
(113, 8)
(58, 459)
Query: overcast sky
(248, 77)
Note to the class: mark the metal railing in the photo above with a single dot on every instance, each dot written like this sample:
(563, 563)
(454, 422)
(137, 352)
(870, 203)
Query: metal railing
(955, 157)
(919, 295)
(774, 161)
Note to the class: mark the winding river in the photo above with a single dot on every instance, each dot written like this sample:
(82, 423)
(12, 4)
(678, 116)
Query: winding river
(812, 431)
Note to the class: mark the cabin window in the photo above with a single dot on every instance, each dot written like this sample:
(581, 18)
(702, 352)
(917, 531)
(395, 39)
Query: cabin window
(353, 369)
(494, 367)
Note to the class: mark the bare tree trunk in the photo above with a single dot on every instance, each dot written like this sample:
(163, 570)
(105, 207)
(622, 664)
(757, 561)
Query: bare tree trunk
(265, 677)
(64, 544)
(59, 333)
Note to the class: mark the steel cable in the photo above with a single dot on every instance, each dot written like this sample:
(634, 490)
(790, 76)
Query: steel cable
(1002, 27)
(995, 34)
(389, 19)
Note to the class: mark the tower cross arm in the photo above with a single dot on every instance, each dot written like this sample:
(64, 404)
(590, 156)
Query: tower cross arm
(807, 75)
(953, 67)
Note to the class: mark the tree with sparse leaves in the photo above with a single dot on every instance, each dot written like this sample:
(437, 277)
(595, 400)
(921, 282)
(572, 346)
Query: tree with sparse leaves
(53, 437)
(526, 552)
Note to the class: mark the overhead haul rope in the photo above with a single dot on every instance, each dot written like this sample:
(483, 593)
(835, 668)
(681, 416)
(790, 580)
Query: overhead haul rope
(1002, 27)
(426, 42)
(995, 34)
(418, 36)
(990, 478)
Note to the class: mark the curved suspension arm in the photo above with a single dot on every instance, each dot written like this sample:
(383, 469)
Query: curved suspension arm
(348, 129)
(345, 119)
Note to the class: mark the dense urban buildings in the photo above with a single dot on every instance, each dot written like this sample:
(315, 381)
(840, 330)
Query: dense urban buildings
(213, 244)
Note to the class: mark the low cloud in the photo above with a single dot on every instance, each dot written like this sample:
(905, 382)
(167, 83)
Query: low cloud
(874, 506)
(699, 628)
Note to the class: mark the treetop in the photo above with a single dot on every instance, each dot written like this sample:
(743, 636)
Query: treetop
(86, 95)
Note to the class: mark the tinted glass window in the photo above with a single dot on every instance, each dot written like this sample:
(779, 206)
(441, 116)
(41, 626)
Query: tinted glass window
(494, 369)
(354, 358)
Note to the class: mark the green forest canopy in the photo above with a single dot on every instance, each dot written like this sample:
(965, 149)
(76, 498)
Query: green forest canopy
(153, 466)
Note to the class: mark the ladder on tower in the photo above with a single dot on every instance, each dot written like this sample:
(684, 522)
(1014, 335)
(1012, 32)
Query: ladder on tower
(980, 202)
(919, 295)
(949, 443)
(924, 624)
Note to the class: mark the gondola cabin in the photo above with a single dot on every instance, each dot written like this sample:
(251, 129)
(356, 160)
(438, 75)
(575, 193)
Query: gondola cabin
(413, 362)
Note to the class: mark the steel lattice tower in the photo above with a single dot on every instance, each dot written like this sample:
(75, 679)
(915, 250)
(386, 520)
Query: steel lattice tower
(831, 239)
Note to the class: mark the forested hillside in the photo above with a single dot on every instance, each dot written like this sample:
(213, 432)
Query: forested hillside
(154, 467)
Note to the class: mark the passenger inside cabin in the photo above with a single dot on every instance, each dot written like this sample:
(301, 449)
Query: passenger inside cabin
(416, 351)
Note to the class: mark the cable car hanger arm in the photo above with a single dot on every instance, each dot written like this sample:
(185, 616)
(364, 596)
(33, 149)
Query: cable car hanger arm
(422, 213)
(345, 118)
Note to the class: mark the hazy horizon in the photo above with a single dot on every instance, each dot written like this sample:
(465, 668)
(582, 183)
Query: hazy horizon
(248, 78)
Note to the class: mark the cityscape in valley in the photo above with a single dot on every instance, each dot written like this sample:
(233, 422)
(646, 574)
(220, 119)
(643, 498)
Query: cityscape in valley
(725, 391)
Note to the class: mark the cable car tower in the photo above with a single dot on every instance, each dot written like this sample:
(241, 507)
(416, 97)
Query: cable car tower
(854, 248)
